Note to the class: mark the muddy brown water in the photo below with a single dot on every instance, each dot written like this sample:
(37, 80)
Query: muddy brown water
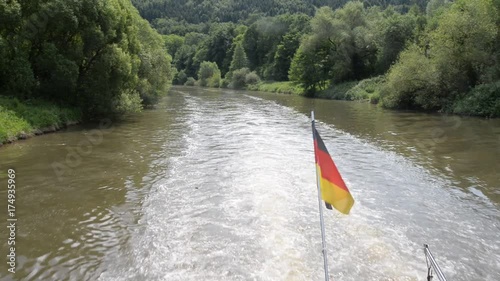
(220, 185)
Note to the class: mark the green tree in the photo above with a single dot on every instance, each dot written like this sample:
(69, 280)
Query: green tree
(261, 41)
(209, 75)
(459, 56)
(290, 42)
(341, 44)
(239, 58)
(284, 55)
(180, 78)
(393, 33)
(306, 71)
(173, 43)
(238, 78)
(463, 45)
(413, 82)
(435, 7)
(99, 56)
(217, 45)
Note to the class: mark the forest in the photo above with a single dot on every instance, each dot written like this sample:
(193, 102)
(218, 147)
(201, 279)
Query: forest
(180, 17)
(436, 55)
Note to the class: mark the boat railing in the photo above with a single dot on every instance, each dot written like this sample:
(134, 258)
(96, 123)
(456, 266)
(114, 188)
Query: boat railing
(432, 266)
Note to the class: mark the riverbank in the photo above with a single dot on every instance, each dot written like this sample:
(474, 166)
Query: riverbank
(365, 90)
(483, 101)
(24, 119)
(285, 87)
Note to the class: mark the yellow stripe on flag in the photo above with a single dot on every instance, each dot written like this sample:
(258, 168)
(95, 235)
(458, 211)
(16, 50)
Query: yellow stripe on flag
(338, 197)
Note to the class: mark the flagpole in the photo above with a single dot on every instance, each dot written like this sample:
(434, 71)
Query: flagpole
(321, 219)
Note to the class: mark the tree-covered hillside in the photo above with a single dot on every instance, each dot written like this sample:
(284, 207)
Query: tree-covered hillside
(436, 55)
(182, 16)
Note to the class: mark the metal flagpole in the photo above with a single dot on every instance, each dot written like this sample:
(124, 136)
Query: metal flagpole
(321, 219)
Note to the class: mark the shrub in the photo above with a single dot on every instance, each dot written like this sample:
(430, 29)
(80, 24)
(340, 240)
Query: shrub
(252, 78)
(225, 82)
(214, 81)
(336, 91)
(24, 117)
(129, 102)
(209, 75)
(366, 89)
(375, 98)
(412, 82)
(238, 78)
(483, 100)
(180, 78)
(190, 81)
(11, 125)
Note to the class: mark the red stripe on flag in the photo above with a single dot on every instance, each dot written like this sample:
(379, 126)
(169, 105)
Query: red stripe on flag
(328, 169)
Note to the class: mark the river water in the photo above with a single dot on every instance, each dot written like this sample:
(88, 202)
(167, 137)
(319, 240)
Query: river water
(220, 185)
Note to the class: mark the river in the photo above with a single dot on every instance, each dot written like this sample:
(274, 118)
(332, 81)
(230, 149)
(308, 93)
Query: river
(220, 185)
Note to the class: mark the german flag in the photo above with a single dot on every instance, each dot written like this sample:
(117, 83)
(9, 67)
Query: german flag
(333, 189)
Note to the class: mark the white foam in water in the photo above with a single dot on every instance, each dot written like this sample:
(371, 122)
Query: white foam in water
(240, 204)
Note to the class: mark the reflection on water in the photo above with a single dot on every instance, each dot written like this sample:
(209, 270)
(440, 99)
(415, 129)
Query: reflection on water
(219, 185)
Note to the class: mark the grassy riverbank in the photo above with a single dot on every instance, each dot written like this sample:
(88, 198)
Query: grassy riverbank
(22, 119)
(483, 101)
(364, 90)
(277, 87)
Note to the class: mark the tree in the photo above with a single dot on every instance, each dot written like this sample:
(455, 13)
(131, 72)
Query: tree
(238, 78)
(217, 45)
(341, 44)
(209, 75)
(99, 56)
(260, 42)
(290, 42)
(393, 31)
(460, 55)
(239, 58)
(463, 45)
(173, 43)
(180, 78)
(435, 7)
(284, 55)
(306, 71)
(413, 82)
